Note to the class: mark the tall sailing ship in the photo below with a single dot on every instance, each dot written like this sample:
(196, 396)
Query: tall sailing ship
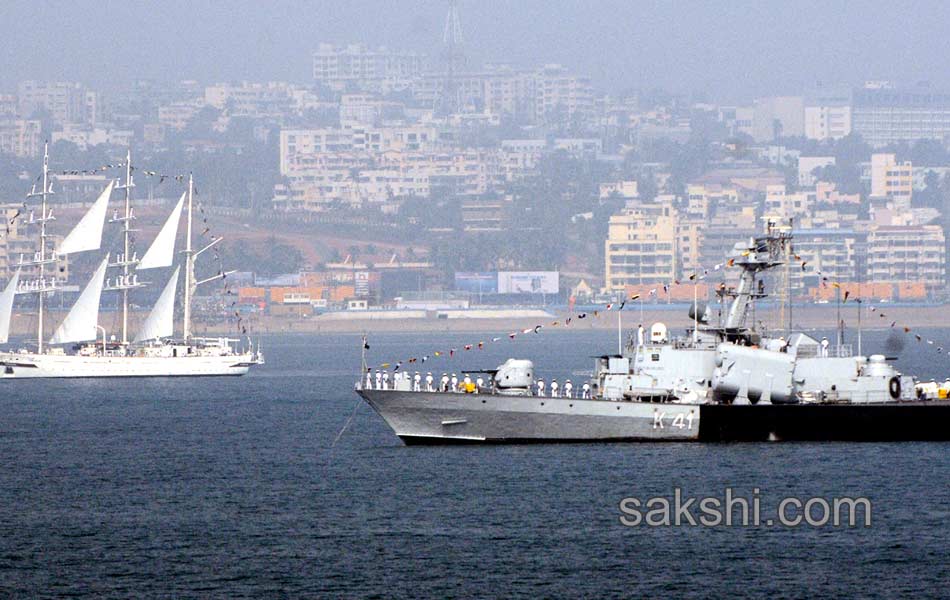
(79, 347)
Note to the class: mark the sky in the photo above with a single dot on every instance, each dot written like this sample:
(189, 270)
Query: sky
(726, 50)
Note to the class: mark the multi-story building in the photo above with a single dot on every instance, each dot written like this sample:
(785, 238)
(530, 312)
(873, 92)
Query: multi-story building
(84, 136)
(18, 242)
(641, 246)
(273, 99)
(884, 115)
(783, 205)
(177, 115)
(892, 180)
(827, 122)
(65, 102)
(561, 96)
(359, 68)
(913, 254)
(21, 138)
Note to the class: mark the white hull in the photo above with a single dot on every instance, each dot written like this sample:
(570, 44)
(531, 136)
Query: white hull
(31, 366)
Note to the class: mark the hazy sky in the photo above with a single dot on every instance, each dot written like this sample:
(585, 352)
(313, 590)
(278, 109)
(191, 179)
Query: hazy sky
(729, 50)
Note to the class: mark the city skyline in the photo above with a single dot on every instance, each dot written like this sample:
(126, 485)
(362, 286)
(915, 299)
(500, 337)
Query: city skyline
(727, 53)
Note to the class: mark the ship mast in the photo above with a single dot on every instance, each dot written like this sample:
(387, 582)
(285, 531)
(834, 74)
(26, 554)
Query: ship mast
(42, 257)
(189, 265)
(128, 261)
(126, 233)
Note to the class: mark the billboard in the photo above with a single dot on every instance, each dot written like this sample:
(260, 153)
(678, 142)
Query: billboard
(528, 282)
(476, 283)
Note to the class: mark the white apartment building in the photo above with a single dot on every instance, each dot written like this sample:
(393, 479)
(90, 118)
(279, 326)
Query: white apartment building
(358, 68)
(66, 102)
(21, 137)
(827, 122)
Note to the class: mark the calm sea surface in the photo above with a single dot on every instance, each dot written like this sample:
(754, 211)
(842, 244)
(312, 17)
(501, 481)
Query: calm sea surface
(230, 488)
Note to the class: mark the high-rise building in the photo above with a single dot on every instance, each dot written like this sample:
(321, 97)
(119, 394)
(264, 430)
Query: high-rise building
(64, 102)
(358, 68)
(891, 179)
(883, 114)
(641, 246)
(909, 254)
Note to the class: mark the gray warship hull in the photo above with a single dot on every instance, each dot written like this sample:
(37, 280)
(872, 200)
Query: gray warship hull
(446, 418)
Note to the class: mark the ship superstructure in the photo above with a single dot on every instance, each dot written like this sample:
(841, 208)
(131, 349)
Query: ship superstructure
(722, 380)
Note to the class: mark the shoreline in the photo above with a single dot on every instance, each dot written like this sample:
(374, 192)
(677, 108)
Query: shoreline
(805, 318)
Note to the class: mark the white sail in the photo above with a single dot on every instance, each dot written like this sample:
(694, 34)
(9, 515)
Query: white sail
(87, 234)
(162, 251)
(161, 321)
(6, 306)
(80, 324)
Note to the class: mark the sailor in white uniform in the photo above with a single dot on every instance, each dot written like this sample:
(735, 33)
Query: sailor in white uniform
(540, 387)
(379, 380)
(429, 382)
(479, 383)
(824, 346)
(568, 389)
(385, 380)
(455, 382)
(417, 382)
(554, 388)
(369, 379)
(444, 383)
(585, 391)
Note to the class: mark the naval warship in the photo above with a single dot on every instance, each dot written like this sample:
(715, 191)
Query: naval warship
(721, 381)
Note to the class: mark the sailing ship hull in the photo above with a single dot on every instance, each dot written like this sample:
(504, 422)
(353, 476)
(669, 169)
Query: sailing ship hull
(445, 417)
(32, 366)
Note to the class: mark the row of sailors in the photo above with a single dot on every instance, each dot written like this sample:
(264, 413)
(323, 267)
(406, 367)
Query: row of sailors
(381, 381)
(556, 391)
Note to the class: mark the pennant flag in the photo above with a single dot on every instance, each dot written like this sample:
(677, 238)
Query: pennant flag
(425, 358)
(437, 353)
(512, 335)
(451, 352)
(692, 277)
(582, 315)
(595, 313)
(365, 343)
(609, 306)
(622, 304)
(846, 294)
(481, 345)
(384, 365)
(730, 262)
(568, 321)
(653, 291)
(527, 330)
(555, 323)
(893, 323)
(803, 265)
(717, 267)
(666, 289)
(537, 328)
(467, 346)
(746, 253)
(495, 339)
(907, 330)
(634, 297)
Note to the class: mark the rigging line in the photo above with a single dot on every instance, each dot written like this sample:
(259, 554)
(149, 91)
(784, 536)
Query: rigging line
(349, 420)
